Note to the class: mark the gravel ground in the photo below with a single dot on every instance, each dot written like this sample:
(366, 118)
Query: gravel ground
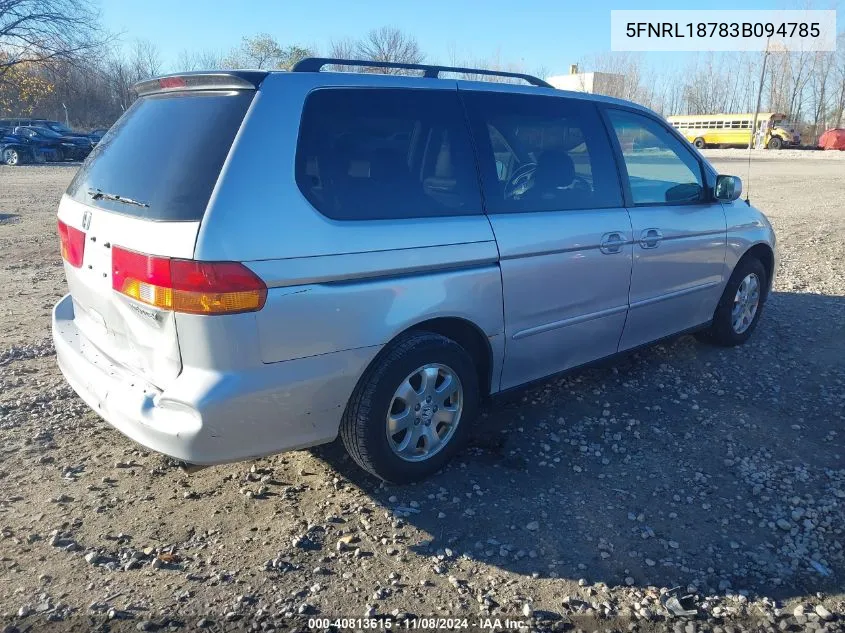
(583, 502)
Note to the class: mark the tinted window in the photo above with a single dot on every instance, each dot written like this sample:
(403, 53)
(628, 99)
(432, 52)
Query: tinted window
(369, 154)
(46, 132)
(660, 168)
(166, 151)
(542, 153)
(58, 127)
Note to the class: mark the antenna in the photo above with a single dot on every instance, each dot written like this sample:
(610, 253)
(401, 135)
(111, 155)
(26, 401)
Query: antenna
(751, 140)
(748, 178)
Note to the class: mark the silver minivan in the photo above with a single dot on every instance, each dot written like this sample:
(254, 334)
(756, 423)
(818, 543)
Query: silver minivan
(262, 261)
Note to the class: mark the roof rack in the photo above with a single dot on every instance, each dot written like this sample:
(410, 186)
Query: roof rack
(315, 64)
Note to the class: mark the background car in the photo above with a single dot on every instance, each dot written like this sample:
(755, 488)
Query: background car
(56, 126)
(69, 147)
(97, 135)
(19, 149)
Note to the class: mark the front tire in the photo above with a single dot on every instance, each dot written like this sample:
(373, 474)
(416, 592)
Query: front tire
(699, 143)
(413, 408)
(775, 142)
(741, 304)
(12, 157)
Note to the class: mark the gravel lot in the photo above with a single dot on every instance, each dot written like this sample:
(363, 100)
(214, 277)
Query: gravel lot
(721, 472)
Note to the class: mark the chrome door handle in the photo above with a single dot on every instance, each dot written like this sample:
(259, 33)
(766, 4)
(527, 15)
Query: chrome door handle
(650, 238)
(612, 243)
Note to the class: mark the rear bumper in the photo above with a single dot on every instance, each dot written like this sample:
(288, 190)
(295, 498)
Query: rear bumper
(210, 417)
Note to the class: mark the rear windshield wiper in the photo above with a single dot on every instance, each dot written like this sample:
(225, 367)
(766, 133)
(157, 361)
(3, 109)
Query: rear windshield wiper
(97, 194)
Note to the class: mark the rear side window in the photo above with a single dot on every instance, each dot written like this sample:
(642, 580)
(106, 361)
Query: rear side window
(374, 154)
(540, 153)
(165, 152)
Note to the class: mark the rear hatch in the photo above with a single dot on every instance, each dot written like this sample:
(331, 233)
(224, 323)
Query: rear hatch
(145, 188)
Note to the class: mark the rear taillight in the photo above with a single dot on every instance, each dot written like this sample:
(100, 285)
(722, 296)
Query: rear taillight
(73, 244)
(184, 285)
(172, 82)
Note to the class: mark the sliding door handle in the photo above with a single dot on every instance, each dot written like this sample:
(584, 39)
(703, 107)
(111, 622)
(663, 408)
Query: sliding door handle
(650, 238)
(612, 243)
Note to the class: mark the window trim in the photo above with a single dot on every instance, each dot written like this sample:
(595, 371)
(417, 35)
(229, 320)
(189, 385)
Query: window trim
(358, 88)
(476, 123)
(707, 197)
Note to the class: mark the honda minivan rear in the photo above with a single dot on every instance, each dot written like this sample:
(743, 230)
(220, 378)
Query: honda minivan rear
(128, 226)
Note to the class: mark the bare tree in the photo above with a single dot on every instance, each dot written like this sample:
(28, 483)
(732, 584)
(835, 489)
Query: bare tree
(263, 51)
(346, 48)
(819, 83)
(385, 44)
(40, 31)
(199, 60)
(389, 44)
(627, 69)
(146, 59)
(800, 68)
(490, 62)
(343, 49)
(838, 113)
(124, 72)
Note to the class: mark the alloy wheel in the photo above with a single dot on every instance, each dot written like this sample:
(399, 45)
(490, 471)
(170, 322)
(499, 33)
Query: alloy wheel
(424, 412)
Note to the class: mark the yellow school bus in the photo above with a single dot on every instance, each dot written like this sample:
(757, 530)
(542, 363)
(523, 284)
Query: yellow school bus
(734, 130)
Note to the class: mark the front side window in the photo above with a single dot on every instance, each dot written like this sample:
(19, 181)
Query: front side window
(540, 153)
(376, 154)
(660, 169)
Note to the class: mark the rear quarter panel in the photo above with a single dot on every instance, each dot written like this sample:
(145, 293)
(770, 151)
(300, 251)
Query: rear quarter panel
(340, 285)
(336, 303)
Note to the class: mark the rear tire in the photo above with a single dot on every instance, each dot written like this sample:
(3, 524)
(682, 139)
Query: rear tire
(379, 403)
(737, 314)
(699, 143)
(775, 142)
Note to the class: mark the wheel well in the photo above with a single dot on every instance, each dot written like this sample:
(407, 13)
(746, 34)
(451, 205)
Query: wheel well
(764, 254)
(468, 336)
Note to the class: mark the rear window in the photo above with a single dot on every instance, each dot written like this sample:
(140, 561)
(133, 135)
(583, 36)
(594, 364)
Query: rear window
(165, 152)
(374, 154)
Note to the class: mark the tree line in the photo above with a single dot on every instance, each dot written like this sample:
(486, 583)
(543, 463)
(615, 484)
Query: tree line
(57, 62)
(809, 87)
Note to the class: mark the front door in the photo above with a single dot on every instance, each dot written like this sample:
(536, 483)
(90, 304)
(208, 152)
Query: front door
(679, 231)
(554, 200)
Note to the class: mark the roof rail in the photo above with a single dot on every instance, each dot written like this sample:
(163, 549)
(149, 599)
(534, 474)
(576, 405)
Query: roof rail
(315, 64)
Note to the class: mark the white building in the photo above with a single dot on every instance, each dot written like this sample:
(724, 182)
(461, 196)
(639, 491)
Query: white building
(598, 83)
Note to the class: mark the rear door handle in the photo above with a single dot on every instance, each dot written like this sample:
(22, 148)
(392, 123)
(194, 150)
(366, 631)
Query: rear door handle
(650, 238)
(612, 243)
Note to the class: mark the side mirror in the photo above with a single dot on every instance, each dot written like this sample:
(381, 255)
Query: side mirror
(728, 188)
(500, 169)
